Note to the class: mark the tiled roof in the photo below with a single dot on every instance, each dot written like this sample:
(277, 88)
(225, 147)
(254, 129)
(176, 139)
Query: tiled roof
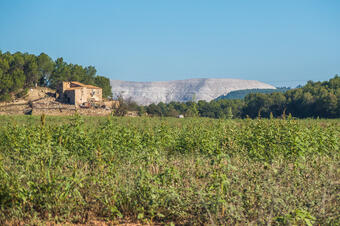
(82, 85)
(73, 88)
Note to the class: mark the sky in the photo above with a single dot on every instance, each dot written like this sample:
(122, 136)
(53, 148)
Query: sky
(284, 43)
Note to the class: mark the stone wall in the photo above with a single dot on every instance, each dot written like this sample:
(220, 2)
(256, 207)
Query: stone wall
(77, 94)
(81, 95)
(46, 103)
(50, 107)
(111, 104)
(15, 109)
(92, 94)
(67, 111)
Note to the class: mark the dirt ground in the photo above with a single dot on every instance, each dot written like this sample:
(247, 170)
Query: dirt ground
(89, 223)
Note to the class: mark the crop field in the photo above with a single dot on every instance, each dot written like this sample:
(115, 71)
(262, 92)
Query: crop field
(171, 171)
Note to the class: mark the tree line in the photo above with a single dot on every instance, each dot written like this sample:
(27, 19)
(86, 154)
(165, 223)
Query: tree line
(315, 99)
(240, 94)
(20, 71)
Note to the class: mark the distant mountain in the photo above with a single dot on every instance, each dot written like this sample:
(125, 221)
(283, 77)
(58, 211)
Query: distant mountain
(240, 94)
(145, 93)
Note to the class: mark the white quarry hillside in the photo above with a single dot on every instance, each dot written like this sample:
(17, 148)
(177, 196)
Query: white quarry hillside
(145, 93)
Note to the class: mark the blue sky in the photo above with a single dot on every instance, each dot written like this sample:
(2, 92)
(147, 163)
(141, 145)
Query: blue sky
(279, 42)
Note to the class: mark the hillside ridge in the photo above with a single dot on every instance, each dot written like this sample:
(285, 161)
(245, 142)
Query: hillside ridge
(145, 93)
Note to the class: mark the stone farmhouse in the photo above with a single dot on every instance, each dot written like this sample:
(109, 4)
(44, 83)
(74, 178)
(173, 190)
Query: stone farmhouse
(77, 93)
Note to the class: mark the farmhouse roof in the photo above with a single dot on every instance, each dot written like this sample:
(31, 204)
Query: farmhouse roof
(81, 85)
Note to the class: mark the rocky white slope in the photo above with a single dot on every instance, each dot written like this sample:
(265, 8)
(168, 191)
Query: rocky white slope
(145, 93)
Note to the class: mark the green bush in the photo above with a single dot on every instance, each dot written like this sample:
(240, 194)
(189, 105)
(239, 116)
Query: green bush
(5, 98)
(187, 171)
(22, 93)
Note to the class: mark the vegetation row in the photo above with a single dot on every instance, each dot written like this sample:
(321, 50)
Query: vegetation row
(185, 171)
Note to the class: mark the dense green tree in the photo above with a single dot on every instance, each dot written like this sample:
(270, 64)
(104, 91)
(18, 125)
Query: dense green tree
(20, 71)
(163, 108)
(45, 68)
(278, 104)
(154, 109)
(31, 70)
(89, 75)
(60, 73)
(104, 83)
(172, 112)
(256, 104)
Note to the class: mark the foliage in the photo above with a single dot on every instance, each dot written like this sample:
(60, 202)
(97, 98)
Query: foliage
(213, 109)
(20, 71)
(240, 94)
(315, 99)
(186, 171)
(104, 83)
(126, 105)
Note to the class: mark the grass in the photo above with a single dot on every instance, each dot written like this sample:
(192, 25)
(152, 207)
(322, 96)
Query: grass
(163, 170)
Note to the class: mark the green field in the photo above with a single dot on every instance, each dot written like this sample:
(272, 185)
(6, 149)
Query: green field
(166, 170)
